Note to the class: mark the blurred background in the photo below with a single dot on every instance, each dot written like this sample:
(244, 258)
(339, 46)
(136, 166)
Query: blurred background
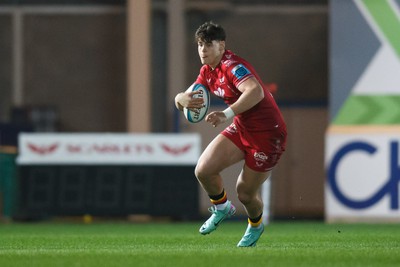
(114, 67)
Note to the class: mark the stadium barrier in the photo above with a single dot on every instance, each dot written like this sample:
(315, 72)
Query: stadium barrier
(8, 156)
(108, 175)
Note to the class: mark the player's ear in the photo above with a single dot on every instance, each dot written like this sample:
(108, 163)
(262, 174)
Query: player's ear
(222, 45)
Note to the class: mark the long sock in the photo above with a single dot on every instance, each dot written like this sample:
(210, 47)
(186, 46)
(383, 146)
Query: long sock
(255, 222)
(220, 201)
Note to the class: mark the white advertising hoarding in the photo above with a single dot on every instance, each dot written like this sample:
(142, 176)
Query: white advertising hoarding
(363, 175)
(144, 149)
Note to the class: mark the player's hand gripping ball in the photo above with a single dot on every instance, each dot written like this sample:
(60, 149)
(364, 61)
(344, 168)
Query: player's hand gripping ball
(198, 114)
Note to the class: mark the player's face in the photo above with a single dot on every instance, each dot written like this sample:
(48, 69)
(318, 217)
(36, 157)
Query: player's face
(211, 53)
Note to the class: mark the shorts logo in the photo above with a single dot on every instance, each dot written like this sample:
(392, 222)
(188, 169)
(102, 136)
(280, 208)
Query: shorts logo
(240, 71)
(260, 156)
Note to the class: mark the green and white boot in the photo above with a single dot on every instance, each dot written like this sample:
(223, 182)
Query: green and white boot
(217, 217)
(251, 236)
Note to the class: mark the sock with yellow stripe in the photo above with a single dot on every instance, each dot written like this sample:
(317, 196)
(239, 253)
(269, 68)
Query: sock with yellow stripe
(220, 201)
(255, 222)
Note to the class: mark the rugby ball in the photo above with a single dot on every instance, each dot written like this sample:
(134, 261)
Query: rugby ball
(198, 114)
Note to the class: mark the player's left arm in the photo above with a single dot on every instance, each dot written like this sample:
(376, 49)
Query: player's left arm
(252, 94)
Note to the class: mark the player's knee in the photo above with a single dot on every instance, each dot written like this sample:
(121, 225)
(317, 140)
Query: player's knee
(204, 173)
(200, 171)
(243, 196)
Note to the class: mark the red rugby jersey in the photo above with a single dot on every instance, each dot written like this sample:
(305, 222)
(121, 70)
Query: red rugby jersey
(223, 82)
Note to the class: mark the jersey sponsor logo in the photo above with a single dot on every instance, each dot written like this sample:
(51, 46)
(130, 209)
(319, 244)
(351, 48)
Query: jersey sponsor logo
(240, 71)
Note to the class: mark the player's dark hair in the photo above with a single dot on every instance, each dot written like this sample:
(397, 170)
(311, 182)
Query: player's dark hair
(209, 32)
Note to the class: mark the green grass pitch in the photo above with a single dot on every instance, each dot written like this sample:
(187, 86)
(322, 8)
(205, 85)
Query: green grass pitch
(180, 244)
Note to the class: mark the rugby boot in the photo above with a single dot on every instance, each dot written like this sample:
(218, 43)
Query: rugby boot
(216, 218)
(251, 236)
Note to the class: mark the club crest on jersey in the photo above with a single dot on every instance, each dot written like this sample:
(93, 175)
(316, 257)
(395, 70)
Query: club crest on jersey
(220, 92)
(240, 71)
